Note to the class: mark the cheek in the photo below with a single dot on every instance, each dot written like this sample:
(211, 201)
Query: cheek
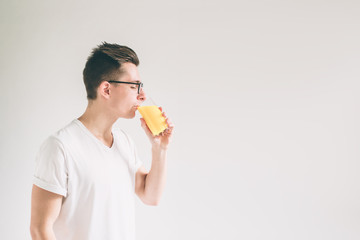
(123, 102)
(124, 99)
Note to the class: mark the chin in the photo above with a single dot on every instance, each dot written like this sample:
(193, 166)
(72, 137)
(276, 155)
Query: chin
(131, 116)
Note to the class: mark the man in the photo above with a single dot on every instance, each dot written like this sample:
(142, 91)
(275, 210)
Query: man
(86, 173)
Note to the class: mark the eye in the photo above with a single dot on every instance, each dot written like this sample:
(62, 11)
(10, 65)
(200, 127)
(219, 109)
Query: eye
(134, 87)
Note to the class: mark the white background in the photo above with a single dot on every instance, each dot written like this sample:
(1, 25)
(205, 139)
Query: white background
(264, 96)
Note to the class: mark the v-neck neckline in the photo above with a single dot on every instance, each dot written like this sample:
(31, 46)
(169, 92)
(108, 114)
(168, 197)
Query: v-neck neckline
(87, 131)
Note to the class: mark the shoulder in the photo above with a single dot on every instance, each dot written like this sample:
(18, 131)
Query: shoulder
(120, 131)
(123, 136)
(60, 137)
(52, 141)
(70, 134)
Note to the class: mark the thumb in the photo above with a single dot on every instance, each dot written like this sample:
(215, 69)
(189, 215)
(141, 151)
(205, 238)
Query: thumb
(145, 126)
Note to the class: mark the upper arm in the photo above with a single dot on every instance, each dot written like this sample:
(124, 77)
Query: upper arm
(45, 208)
(140, 178)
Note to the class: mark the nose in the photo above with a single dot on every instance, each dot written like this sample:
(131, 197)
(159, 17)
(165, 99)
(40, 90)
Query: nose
(142, 95)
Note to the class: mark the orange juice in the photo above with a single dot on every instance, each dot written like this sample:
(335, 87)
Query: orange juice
(153, 118)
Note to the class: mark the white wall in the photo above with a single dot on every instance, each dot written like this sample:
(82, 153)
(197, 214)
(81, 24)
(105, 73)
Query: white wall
(264, 96)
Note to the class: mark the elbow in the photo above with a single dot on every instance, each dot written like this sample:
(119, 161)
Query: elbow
(37, 232)
(151, 202)
(155, 204)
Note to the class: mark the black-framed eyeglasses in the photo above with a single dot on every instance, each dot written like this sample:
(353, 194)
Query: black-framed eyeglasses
(139, 84)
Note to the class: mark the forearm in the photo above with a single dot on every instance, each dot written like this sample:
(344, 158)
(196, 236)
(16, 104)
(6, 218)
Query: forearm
(156, 178)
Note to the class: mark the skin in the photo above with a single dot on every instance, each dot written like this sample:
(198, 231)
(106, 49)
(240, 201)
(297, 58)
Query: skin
(113, 101)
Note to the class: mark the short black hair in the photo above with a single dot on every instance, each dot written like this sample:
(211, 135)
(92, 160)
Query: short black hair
(104, 64)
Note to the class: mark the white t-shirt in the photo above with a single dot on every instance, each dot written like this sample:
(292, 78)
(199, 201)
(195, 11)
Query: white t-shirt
(97, 182)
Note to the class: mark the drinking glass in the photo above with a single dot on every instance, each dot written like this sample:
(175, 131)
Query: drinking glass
(152, 116)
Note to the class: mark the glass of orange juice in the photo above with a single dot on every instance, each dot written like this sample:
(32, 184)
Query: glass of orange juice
(152, 116)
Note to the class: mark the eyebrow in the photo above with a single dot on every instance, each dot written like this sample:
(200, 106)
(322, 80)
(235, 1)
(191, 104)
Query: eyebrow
(137, 81)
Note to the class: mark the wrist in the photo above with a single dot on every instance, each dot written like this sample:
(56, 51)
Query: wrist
(159, 149)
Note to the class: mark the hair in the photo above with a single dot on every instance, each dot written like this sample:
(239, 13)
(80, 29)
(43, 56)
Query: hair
(104, 64)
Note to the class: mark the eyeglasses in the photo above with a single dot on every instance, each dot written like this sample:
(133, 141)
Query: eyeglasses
(139, 84)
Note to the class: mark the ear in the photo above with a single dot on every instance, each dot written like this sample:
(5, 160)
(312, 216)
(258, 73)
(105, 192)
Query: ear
(104, 89)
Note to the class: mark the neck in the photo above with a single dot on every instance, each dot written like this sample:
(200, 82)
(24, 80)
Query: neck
(98, 121)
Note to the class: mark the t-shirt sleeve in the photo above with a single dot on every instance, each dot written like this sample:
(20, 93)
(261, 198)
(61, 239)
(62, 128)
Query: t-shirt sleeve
(138, 162)
(134, 153)
(50, 168)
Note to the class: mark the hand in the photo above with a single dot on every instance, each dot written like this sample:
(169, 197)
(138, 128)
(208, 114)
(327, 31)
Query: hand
(163, 139)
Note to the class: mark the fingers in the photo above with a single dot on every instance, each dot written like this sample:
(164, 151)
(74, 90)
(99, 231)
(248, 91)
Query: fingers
(168, 131)
(168, 122)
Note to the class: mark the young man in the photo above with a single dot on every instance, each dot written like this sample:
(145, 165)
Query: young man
(86, 173)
